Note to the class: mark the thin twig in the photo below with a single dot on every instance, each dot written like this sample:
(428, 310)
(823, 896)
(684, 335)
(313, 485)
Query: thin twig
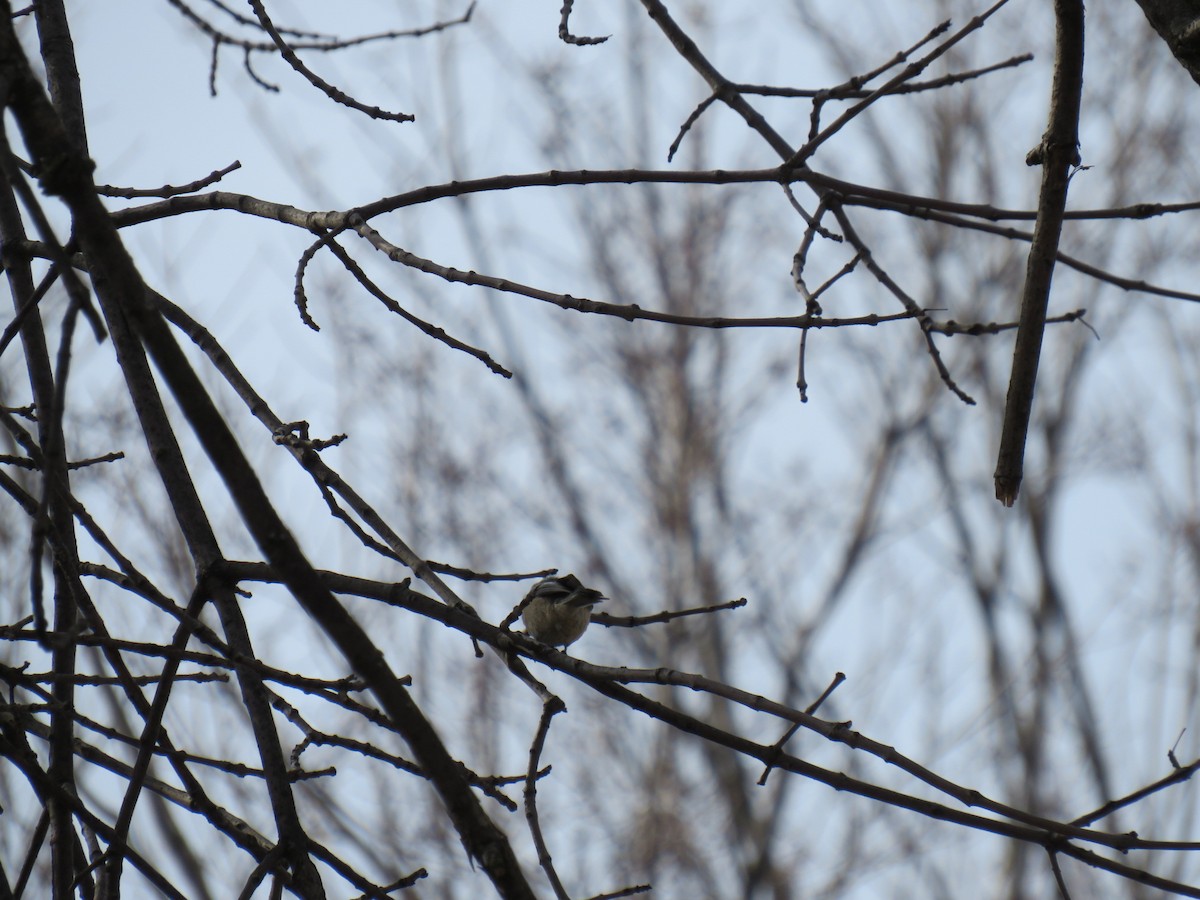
(316, 81)
(564, 29)
(549, 711)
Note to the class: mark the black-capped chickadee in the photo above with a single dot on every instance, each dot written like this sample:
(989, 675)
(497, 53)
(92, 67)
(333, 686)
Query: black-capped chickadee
(559, 610)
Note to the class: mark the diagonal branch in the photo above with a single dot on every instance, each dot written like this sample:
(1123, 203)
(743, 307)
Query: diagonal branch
(1058, 153)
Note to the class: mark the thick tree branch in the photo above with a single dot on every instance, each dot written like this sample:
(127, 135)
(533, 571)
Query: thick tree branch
(1178, 23)
(1058, 154)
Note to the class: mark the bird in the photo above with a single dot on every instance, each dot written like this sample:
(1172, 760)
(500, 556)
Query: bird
(558, 610)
